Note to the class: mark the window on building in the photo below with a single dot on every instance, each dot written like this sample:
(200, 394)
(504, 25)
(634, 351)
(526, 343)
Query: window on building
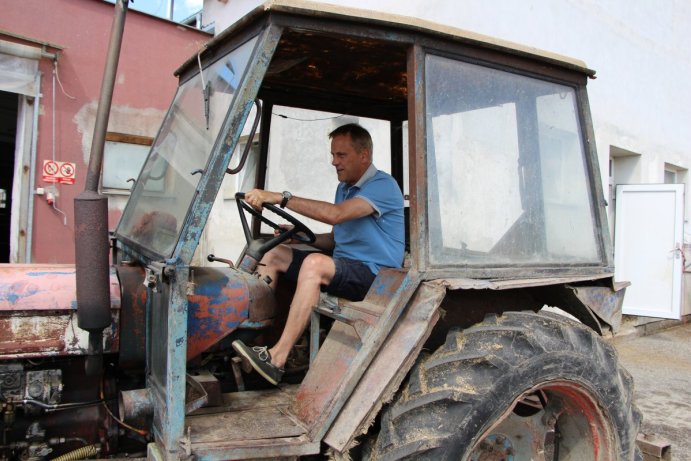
(674, 174)
(182, 11)
(123, 157)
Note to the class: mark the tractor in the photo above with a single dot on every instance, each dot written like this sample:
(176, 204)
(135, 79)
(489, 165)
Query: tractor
(489, 342)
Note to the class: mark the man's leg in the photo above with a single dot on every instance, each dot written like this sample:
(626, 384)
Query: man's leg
(275, 262)
(350, 279)
(317, 270)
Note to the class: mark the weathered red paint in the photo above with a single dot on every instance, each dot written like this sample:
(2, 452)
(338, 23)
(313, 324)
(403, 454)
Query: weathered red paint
(580, 401)
(38, 314)
(222, 300)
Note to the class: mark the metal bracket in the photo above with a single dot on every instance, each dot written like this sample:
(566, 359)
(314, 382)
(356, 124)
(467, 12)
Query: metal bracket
(151, 279)
(186, 444)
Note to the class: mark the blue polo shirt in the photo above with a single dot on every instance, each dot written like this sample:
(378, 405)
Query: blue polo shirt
(377, 239)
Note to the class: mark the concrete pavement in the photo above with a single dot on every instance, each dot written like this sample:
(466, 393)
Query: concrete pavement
(661, 367)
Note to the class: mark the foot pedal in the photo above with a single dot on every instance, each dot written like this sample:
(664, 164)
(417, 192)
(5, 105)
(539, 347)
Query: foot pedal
(236, 363)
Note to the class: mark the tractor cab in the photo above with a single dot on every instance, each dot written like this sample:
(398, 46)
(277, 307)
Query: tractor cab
(492, 146)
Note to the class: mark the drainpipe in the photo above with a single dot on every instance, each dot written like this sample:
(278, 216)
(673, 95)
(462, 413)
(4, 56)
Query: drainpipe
(91, 217)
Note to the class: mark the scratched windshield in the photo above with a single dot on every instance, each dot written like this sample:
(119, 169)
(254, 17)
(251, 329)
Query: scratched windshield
(168, 181)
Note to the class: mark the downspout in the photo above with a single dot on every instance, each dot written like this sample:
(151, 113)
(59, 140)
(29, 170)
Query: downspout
(91, 216)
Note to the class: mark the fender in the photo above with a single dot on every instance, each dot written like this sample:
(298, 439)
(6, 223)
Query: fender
(596, 307)
(385, 374)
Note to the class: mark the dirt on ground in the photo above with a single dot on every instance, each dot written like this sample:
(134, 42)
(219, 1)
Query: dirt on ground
(661, 367)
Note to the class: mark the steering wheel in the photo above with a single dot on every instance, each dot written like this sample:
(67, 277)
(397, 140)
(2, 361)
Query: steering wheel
(257, 248)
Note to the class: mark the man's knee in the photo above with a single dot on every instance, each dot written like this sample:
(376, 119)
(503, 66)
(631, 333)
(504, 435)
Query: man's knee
(278, 258)
(317, 265)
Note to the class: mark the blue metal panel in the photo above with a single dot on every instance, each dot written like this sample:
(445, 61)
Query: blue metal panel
(170, 319)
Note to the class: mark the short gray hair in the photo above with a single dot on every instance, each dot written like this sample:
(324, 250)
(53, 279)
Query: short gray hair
(359, 136)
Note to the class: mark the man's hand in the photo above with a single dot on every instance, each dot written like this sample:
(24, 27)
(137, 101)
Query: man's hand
(282, 228)
(257, 197)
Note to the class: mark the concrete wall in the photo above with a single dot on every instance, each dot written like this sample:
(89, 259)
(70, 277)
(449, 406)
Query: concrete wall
(152, 49)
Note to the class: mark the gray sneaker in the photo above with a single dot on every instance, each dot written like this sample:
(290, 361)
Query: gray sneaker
(260, 359)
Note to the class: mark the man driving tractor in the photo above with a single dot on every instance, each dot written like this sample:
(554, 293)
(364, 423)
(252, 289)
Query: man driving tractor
(367, 235)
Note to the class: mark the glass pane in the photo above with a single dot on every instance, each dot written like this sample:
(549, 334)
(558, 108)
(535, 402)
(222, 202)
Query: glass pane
(168, 182)
(300, 154)
(506, 169)
(184, 9)
(121, 164)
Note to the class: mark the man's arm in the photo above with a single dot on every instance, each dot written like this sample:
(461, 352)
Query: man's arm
(324, 242)
(325, 212)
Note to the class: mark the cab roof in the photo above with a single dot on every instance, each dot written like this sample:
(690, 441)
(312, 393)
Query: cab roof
(346, 60)
(374, 19)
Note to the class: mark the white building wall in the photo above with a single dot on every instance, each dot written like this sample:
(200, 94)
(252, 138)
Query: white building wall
(641, 98)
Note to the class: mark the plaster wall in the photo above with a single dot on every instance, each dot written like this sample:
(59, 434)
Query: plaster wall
(151, 51)
(640, 100)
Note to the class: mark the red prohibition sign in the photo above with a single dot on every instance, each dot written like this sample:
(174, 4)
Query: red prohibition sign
(66, 170)
(50, 168)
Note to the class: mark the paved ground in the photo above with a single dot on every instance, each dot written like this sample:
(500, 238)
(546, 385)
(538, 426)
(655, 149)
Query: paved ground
(661, 367)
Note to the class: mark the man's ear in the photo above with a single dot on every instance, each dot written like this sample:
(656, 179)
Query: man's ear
(366, 155)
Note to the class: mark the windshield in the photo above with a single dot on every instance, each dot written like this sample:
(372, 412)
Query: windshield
(507, 169)
(168, 180)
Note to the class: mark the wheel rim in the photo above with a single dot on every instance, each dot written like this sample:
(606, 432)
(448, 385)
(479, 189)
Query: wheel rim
(558, 420)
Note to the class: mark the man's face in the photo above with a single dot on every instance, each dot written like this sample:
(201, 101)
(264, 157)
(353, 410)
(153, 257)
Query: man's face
(350, 165)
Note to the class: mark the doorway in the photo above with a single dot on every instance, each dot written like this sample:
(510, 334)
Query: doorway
(8, 135)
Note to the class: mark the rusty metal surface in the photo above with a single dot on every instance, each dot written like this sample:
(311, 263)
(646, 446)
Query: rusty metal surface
(38, 314)
(316, 65)
(383, 288)
(390, 366)
(336, 355)
(133, 317)
(92, 260)
(271, 448)
(223, 299)
(134, 404)
(654, 448)
(563, 297)
(343, 358)
(222, 432)
(328, 370)
(261, 423)
(505, 284)
(604, 302)
(31, 287)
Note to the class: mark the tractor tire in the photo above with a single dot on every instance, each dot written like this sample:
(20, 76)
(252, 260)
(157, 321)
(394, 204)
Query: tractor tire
(518, 386)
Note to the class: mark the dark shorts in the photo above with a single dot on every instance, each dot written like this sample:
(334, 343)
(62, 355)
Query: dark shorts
(351, 281)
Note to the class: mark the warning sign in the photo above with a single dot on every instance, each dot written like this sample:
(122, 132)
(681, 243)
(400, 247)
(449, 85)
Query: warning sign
(60, 172)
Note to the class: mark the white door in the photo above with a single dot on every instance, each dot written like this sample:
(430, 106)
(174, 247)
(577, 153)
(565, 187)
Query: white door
(648, 240)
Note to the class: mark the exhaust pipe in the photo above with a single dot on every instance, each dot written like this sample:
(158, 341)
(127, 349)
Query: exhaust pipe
(91, 217)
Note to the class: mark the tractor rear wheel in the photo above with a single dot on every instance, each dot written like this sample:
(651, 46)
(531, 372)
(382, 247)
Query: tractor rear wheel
(517, 386)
